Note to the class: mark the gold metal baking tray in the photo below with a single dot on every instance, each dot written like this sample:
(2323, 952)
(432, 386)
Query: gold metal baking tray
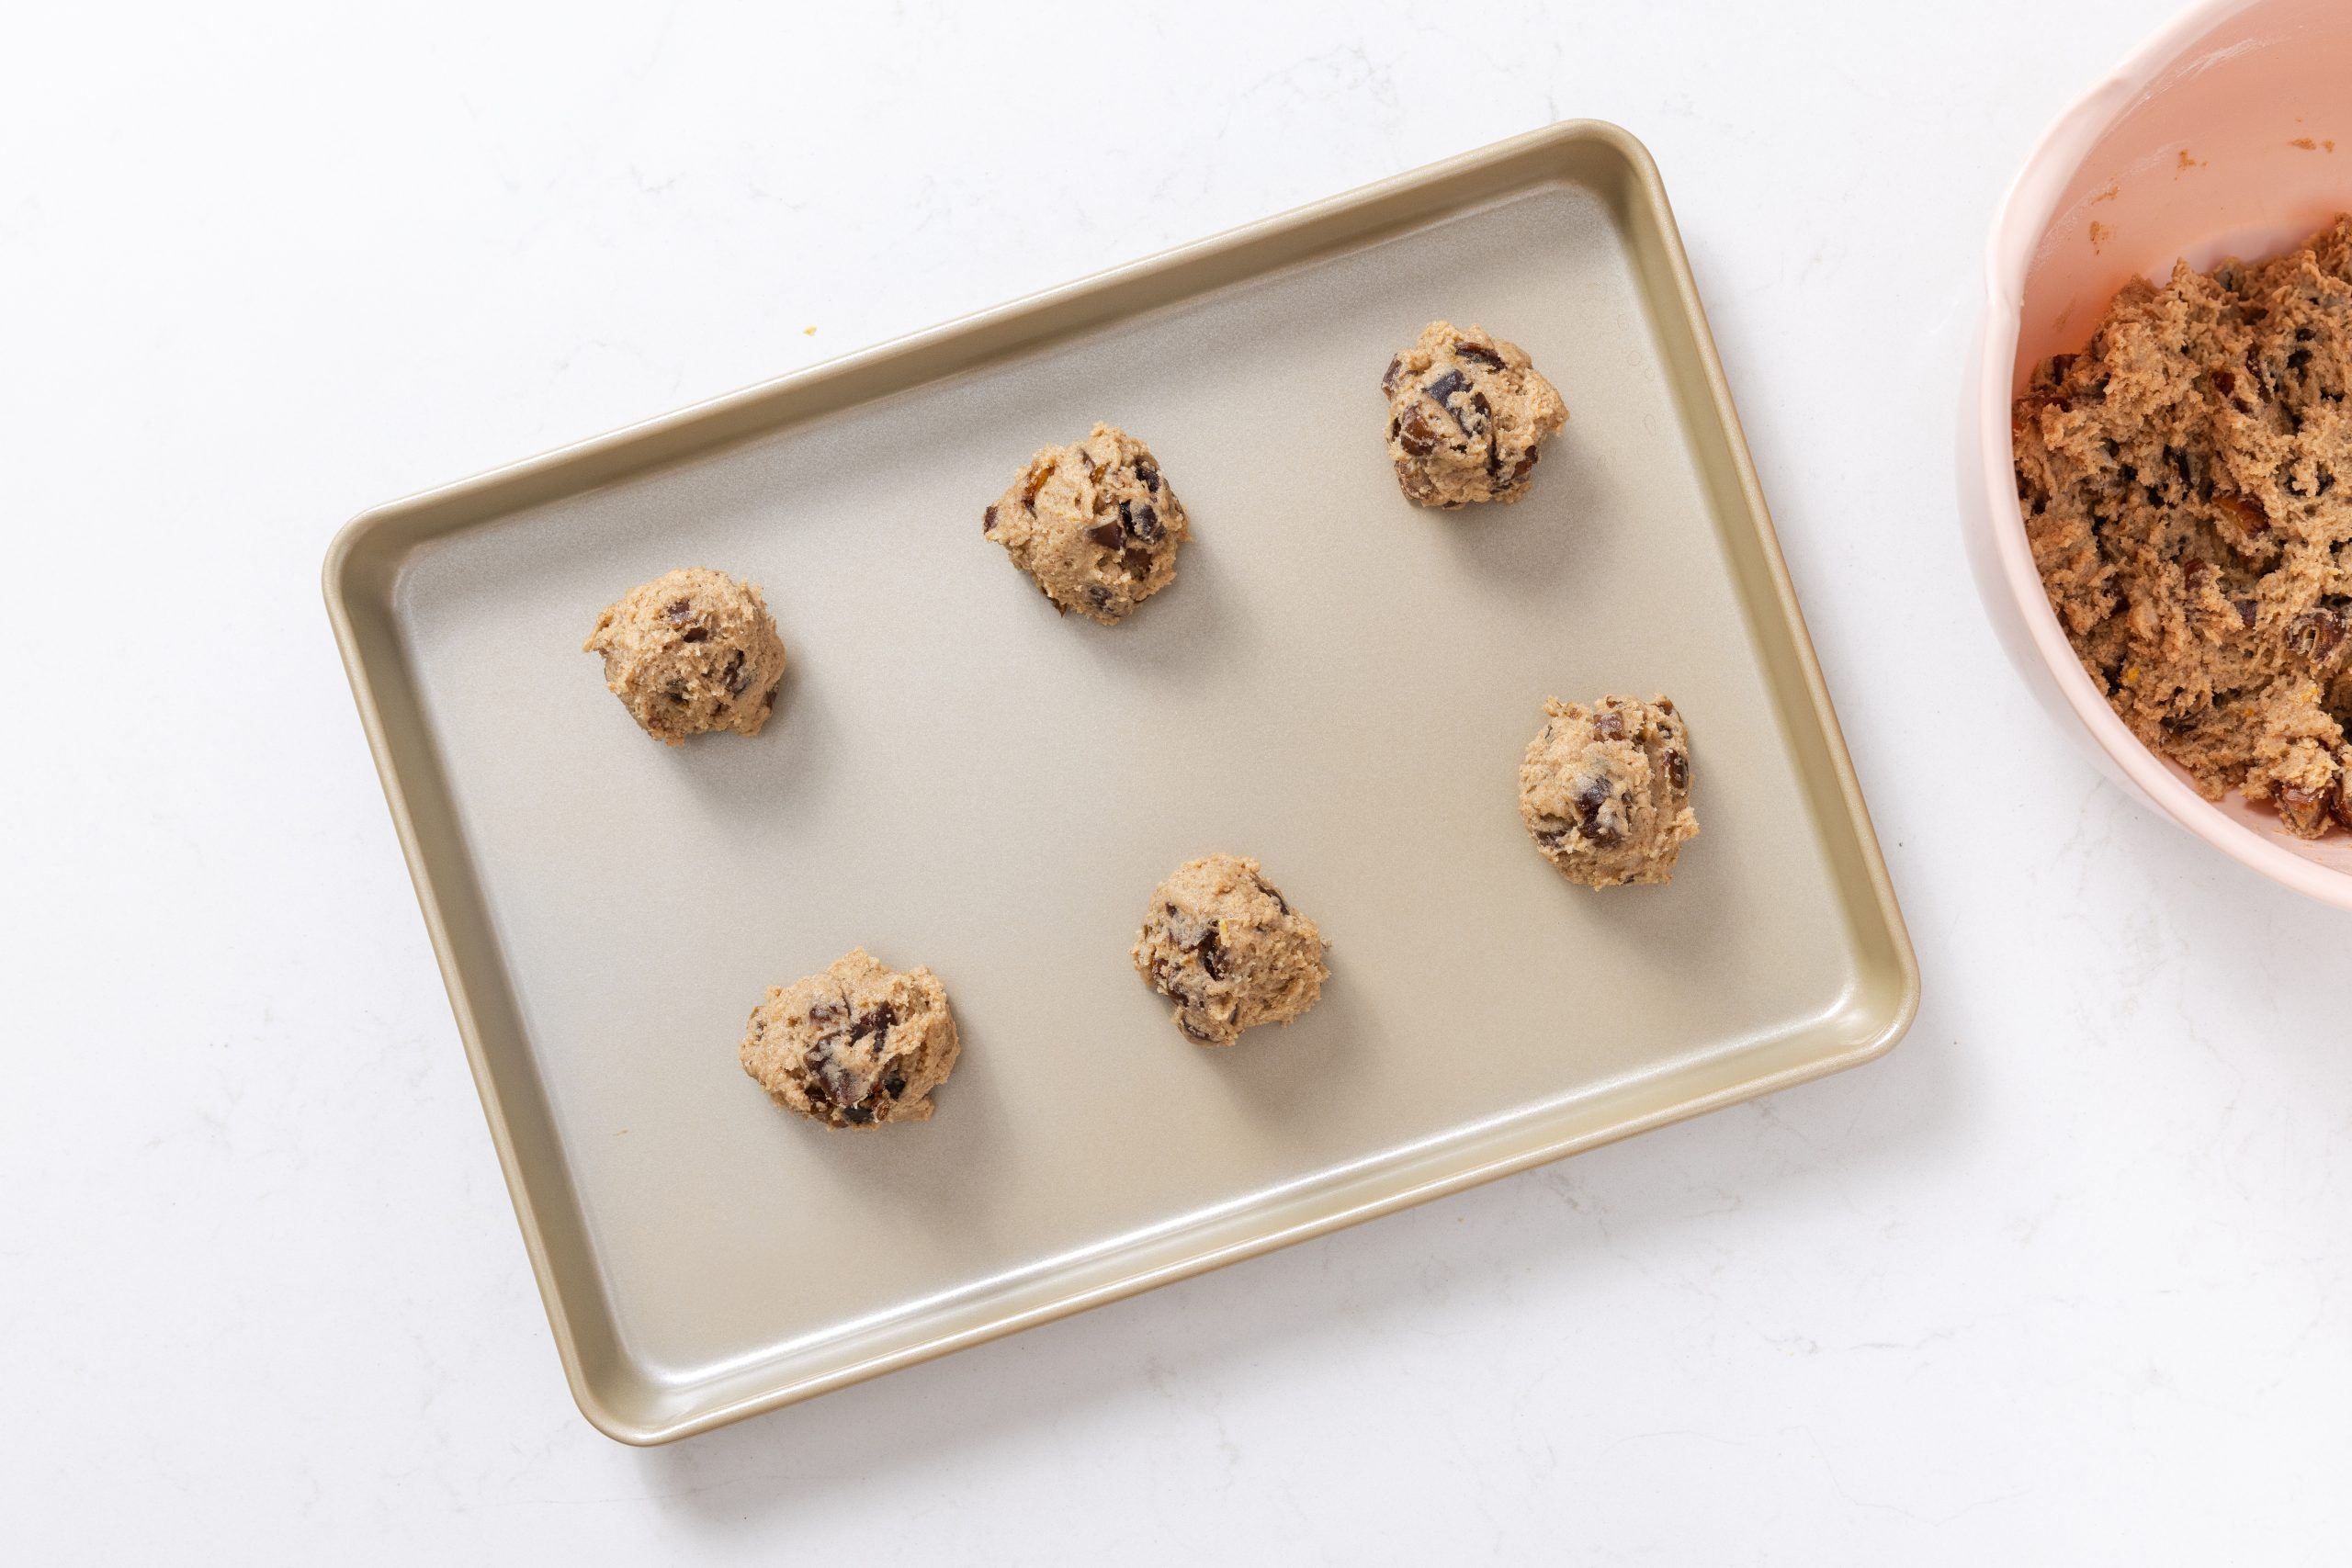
(1338, 682)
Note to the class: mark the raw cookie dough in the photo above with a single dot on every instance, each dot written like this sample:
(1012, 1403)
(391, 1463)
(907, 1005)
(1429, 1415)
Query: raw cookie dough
(2186, 486)
(855, 1046)
(1465, 413)
(1606, 790)
(1095, 524)
(690, 651)
(1223, 943)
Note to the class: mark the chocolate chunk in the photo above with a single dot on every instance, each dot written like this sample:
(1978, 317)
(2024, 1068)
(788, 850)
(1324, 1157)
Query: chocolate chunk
(2306, 811)
(1595, 795)
(1269, 889)
(1147, 474)
(1609, 725)
(840, 1084)
(1098, 595)
(695, 633)
(2314, 634)
(1414, 432)
(2224, 383)
(1135, 562)
(987, 520)
(1142, 521)
(1395, 373)
(2244, 510)
(736, 677)
(894, 1085)
(1106, 535)
(768, 702)
(1208, 950)
(2246, 609)
(856, 1115)
(1477, 353)
(1677, 769)
(678, 610)
(1444, 389)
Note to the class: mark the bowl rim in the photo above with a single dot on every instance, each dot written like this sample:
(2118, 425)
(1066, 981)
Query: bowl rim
(2023, 216)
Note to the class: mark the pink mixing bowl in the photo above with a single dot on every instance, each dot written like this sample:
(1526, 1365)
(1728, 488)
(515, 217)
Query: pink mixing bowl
(2229, 133)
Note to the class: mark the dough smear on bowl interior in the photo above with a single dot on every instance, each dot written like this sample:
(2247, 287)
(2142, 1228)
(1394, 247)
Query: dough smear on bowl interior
(858, 1044)
(1223, 943)
(1095, 523)
(1468, 413)
(691, 652)
(1605, 790)
(2186, 486)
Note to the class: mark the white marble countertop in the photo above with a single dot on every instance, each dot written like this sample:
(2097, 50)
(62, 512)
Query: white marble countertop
(2069, 1272)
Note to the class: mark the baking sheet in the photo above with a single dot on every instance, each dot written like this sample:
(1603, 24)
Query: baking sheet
(1338, 682)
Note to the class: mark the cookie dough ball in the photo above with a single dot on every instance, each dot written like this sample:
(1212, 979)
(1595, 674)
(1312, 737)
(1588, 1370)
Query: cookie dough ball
(690, 651)
(1465, 414)
(1095, 524)
(1606, 790)
(856, 1046)
(1224, 943)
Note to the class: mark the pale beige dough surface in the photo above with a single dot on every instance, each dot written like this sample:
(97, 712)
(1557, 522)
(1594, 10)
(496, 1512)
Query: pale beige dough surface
(2186, 486)
(1605, 790)
(1095, 524)
(1221, 941)
(1466, 414)
(691, 652)
(856, 1045)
